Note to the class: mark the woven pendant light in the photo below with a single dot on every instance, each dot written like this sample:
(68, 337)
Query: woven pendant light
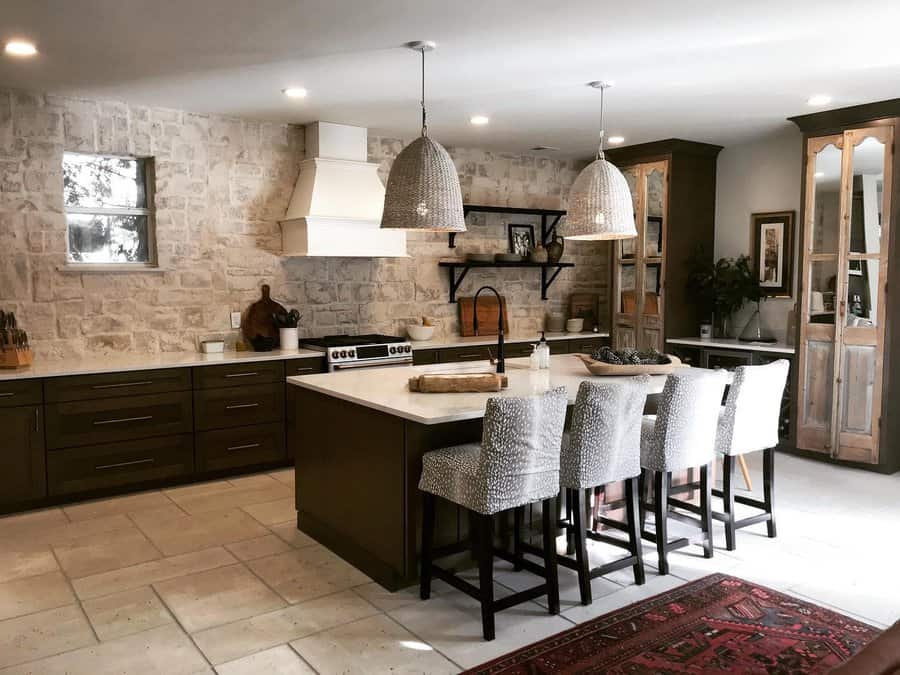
(422, 191)
(600, 205)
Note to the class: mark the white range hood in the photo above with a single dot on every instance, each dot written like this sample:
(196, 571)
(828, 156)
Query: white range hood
(338, 200)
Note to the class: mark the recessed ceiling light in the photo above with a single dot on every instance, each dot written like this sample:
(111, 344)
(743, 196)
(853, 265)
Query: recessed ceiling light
(616, 140)
(295, 92)
(818, 99)
(20, 48)
(479, 120)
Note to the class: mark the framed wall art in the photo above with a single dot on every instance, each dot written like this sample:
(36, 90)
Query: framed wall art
(772, 252)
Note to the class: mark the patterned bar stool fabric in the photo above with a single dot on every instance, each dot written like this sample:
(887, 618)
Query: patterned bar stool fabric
(682, 436)
(517, 463)
(748, 422)
(603, 447)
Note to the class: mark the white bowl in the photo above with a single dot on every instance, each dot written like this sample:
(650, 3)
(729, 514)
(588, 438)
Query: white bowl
(420, 333)
(575, 325)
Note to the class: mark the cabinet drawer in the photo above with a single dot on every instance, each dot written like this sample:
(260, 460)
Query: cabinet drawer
(109, 465)
(238, 374)
(305, 366)
(20, 392)
(478, 353)
(517, 349)
(586, 345)
(424, 357)
(107, 420)
(112, 385)
(238, 406)
(245, 446)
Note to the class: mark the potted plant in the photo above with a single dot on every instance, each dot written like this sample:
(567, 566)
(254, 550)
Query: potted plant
(721, 288)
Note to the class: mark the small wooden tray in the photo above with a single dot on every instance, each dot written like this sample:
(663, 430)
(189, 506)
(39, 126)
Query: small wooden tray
(16, 358)
(446, 383)
(610, 369)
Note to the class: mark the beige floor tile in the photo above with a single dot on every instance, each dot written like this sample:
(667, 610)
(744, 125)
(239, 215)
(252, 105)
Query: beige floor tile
(216, 597)
(174, 533)
(281, 660)
(120, 614)
(233, 498)
(288, 532)
(307, 573)
(33, 594)
(161, 651)
(105, 551)
(613, 601)
(386, 600)
(285, 476)
(65, 533)
(254, 480)
(117, 505)
(194, 489)
(31, 522)
(35, 636)
(242, 638)
(373, 645)
(25, 561)
(258, 548)
(147, 573)
(272, 513)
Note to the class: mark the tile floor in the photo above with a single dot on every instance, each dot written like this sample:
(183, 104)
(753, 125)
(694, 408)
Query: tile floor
(216, 578)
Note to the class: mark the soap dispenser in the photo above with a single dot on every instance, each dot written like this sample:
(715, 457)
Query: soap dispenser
(543, 350)
(535, 358)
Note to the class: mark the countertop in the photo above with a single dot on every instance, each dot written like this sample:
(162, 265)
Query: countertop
(134, 361)
(732, 343)
(386, 389)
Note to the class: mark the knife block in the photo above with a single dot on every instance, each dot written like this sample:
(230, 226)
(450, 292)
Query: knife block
(16, 358)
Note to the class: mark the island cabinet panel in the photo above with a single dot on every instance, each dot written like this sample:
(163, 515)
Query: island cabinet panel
(107, 420)
(115, 465)
(22, 476)
(244, 446)
(238, 406)
(307, 366)
(238, 374)
(116, 385)
(15, 394)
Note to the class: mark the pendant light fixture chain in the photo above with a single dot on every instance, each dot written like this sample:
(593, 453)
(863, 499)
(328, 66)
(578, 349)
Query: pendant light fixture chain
(424, 120)
(602, 86)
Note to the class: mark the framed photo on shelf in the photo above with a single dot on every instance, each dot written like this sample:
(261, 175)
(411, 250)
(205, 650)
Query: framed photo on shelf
(772, 252)
(521, 239)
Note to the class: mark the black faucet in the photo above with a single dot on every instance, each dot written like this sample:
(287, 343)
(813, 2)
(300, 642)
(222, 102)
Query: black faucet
(501, 368)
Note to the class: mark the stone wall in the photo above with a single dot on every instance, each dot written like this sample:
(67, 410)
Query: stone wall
(221, 186)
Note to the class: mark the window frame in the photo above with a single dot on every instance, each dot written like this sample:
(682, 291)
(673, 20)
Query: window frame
(150, 212)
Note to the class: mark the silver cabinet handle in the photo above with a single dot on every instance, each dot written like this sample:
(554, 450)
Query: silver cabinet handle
(123, 420)
(4, 394)
(246, 446)
(118, 385)
(471, 355)
(37, 419)
(238, 406)
(119, 465)
(306, 369)
(241, 374)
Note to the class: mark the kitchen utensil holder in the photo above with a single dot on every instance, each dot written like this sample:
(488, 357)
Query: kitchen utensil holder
(16, 358)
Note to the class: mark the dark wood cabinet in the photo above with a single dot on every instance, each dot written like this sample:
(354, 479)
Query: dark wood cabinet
(426, 357)
(22, 476)
(244, 446)
(584, 345)
(238, 406)
(473, 353)
(308, 366)
(15, 394)
(238, 374)
(117, 385)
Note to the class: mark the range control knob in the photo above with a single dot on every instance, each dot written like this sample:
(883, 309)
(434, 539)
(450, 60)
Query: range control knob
(343, 354)
(393, 350)
(334, 355)
(351, 354)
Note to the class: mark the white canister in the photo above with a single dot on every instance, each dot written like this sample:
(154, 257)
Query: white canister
(706, 331)
(290, 340)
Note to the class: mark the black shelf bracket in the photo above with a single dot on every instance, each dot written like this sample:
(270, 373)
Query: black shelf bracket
(455, 280)
(545, 282)
(458, 270)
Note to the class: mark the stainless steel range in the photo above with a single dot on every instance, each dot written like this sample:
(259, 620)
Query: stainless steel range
(361, 351)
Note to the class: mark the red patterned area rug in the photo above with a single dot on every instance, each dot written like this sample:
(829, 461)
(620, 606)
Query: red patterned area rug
(718, 624)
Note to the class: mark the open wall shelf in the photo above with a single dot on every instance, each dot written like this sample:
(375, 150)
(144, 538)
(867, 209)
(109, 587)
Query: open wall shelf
(549, 218)
(459, 269)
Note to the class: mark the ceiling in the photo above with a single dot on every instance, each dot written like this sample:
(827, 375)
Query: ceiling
(706, 70)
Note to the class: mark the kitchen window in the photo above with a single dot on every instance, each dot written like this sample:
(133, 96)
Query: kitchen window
(108, 201)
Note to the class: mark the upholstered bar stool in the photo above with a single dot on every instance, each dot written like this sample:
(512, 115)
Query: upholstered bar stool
(603, 447)
(748, 422)
(517, 463)
(681, 436)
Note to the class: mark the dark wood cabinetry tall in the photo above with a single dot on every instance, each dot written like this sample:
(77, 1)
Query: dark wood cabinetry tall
(673, 184)
(22, 458)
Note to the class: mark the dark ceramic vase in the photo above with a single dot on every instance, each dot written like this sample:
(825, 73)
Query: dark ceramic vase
(555, 249)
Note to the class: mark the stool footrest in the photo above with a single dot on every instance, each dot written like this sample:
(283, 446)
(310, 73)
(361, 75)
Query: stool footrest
(450, 549)
(524, 563)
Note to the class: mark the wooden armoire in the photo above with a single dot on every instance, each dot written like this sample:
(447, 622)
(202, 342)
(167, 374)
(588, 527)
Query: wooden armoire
(848, 327)
(673, 185)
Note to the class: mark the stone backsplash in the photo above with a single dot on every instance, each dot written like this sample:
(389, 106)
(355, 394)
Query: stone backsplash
(221, 185)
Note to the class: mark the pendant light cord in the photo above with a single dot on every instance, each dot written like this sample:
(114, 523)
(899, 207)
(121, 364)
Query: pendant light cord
(602, 132)
(424, 122)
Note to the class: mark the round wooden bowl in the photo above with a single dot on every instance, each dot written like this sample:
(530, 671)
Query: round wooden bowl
(610, 369)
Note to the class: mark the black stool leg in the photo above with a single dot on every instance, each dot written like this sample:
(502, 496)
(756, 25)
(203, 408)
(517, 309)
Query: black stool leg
(706, 511)
(728, 500)
(570, 535)
(642, 498)
(581, 554)
(518, 517)
(427, 545)
(661, 511)
(769, 489)
(548, 509)
(632, 497)
(485, 549)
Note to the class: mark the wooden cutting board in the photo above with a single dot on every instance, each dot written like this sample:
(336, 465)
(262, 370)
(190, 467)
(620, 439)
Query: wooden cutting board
(488, 311)
(445, 383)
(584, 306)
(259, 321)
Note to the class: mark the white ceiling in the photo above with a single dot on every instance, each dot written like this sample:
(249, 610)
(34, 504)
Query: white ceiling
(709, 70)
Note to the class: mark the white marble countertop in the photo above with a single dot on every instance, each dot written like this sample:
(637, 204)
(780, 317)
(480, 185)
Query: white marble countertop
(478, 340)
(732, 343)
(129, 362)
(386, 389)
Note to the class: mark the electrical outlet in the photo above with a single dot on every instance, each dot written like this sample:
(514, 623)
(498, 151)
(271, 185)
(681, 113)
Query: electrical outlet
(235, 320)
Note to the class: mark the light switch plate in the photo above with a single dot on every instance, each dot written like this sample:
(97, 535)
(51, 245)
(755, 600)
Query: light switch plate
(235, 319)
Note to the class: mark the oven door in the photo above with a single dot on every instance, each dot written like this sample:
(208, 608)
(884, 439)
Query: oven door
(370, 363)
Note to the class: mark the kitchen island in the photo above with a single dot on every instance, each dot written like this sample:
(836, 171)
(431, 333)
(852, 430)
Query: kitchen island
(363, 436)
